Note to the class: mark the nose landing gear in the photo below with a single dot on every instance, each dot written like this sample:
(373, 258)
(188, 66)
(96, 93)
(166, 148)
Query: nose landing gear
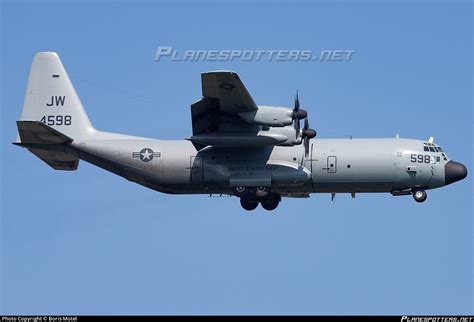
(419, 195)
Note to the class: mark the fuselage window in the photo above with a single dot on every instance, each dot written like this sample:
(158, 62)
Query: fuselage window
(426, 149)
(432, 149)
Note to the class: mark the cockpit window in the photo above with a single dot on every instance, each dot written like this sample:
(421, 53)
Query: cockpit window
(430, 147)
(435, 159)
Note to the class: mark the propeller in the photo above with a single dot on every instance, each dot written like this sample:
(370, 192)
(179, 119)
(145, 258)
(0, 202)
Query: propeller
(298, 114)
(307, 134)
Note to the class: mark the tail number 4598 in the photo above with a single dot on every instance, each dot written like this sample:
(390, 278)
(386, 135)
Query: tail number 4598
(56, 120)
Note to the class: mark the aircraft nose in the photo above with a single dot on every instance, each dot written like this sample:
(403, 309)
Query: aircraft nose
(454, 171)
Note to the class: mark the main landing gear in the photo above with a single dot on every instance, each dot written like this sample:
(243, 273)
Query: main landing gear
(250, 197)
(419, 195)
(248, 204)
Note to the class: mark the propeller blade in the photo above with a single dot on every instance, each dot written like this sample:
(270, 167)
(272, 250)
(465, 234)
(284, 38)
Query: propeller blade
(306, 146)
(297, 103)
(297, 127)
(298, 113)
(295, 115)
(308, 134)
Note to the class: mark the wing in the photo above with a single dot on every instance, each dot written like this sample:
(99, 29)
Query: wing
(224, 97)
(227, 87)
(225, 116)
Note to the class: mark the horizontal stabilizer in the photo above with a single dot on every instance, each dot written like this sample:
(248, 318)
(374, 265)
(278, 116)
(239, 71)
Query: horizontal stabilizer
(47, 144)
(56, 159)
(34, 132)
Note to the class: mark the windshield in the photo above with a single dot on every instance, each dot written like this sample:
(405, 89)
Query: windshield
(431, 147)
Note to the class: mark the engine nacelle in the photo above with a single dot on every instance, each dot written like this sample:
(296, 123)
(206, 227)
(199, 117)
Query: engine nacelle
(283, 136)
(269, 116)
(288, 132)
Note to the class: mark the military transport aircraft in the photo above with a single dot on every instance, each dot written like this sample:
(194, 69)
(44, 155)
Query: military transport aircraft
(257, 153)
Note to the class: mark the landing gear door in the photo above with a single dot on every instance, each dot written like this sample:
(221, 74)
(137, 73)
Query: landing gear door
(332, 164)
(196, 169)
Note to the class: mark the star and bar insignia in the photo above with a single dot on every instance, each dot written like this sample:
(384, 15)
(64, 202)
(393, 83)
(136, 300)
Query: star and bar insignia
(227, 86)
(146, 154)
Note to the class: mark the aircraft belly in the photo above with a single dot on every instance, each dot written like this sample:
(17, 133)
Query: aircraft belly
(267, 173)
(254, 173)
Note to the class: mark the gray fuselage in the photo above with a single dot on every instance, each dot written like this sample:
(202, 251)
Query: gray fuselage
(333, 165)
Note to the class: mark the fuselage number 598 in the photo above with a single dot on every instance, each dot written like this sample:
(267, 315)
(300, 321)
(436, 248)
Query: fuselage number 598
(420, 158)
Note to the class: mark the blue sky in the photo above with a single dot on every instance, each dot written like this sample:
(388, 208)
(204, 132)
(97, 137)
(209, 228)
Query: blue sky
(89, 242)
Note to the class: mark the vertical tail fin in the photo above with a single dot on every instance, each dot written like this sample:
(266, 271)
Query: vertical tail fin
(51, 99)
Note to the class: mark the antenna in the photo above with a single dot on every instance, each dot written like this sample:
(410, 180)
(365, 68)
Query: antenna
(431, 139)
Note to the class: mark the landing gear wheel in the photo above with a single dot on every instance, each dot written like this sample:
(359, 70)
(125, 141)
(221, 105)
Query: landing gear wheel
(240, 191)
(248, 204)
(271, 203)
(419, 195)
(261, 191)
